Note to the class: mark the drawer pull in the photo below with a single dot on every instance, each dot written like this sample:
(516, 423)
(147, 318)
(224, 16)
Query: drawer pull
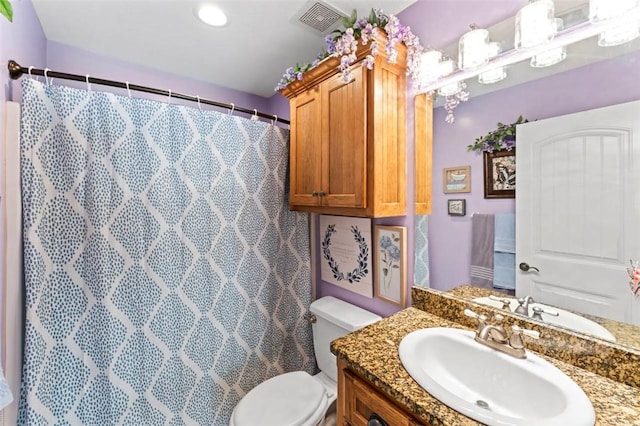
(376, 420)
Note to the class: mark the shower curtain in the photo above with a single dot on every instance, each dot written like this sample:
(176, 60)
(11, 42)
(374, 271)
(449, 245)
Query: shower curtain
(164, 274)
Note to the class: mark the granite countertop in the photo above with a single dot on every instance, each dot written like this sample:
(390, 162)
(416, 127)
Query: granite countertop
(372, 352)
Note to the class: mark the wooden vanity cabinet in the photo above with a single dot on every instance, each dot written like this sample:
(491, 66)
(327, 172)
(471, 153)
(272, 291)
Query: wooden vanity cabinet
(358, 400)
(348, 140)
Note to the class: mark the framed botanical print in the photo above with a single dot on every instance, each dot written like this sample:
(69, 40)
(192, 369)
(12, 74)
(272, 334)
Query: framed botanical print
(391, 264)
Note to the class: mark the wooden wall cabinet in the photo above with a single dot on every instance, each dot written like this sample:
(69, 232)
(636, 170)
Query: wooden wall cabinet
(358, 401)
(348, 140)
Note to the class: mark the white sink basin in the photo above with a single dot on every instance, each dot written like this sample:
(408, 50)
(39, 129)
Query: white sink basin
(564, 319)
(489, 386)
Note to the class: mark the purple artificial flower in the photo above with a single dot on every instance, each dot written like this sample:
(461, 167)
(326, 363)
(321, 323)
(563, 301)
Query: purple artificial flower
(368, 62)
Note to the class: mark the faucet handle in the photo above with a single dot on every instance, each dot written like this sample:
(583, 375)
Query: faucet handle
(529, 333)
(482, 319)
(468, 312)
(506, 302)
(537, 313)
(515, 340)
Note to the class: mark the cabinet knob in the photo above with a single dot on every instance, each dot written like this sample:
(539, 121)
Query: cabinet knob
(375, 420)
(314, 194)
(322, 193)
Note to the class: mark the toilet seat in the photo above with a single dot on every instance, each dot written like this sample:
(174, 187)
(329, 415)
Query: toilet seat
(291, 399)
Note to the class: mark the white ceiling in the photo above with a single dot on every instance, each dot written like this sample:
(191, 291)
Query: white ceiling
(250, 53)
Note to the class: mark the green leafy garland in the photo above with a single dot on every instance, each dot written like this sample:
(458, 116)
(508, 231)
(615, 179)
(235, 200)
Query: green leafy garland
(503, 138)
(6, 9)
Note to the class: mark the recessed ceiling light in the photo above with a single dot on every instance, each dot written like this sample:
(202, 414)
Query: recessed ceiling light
(211, 15)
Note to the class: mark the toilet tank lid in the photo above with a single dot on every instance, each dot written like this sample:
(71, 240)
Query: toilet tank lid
(342, 314)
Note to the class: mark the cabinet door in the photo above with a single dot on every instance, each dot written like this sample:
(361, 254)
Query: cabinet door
(362, 401)
(305, 155)
(344, 147)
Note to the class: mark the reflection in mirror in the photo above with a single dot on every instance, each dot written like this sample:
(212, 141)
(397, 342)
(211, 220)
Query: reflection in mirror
(590, 77)
(612, 331)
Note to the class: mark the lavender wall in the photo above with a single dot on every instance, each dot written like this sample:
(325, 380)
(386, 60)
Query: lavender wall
(598, 85)
(279, 105)
(23, 41)
(68, 59)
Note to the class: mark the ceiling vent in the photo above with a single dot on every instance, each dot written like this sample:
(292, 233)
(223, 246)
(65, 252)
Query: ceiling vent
(319, 15)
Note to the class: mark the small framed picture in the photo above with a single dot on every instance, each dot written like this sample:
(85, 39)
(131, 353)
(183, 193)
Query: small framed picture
(500, 174)
(457, 207)
(391, 264)
(456, 179)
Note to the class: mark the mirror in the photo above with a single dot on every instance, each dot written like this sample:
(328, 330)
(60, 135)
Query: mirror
(591, 77)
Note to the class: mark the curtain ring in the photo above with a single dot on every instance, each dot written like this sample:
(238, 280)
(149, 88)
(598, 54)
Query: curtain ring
(275, 120)
(128, 89)
(88, 84)
(46, 78)
(169, 95)
(232, 108)
(30, 68)
(199, 105)
(254, 117)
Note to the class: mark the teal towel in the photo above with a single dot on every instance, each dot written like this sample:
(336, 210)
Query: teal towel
(505, 233)
(504, 249)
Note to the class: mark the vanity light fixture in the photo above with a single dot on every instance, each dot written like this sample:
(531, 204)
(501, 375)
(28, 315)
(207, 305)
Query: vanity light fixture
(620, 35)
(496, 74)
(473, 49)
(535, 24)
(430, 69)
(211, 15)
(606, 10)
(451, 82)
(551, 56)
(446, 68)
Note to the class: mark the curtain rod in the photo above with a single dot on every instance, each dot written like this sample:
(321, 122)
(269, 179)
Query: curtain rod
(16, 71)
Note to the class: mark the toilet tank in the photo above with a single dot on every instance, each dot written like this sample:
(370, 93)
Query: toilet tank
(335, 318)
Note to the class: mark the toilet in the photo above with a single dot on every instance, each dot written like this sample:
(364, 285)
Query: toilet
(297, 398)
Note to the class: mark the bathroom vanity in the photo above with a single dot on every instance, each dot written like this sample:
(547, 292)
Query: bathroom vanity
(372, 378)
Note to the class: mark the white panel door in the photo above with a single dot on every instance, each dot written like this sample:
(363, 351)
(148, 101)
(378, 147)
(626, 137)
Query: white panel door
(578, 210)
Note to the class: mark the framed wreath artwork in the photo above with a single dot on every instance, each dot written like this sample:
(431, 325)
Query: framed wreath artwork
(391, 264)
(346, 253)
(500, 174)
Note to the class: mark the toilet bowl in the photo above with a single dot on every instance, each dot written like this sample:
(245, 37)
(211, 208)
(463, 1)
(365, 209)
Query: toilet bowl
(295, 398)
(298, 398)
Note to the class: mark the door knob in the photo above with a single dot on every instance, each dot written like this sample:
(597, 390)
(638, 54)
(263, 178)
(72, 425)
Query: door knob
(524, 266)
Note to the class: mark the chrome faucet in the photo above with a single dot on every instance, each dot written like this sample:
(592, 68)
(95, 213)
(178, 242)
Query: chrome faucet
(523, 307)
(496, 336)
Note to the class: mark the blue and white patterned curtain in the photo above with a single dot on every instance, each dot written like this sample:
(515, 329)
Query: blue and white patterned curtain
(164, 275)
(421, 252)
